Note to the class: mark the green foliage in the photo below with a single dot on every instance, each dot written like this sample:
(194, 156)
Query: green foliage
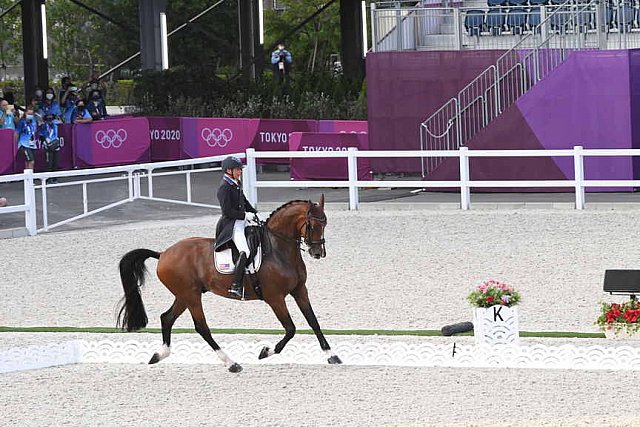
(188, 92)
(10, 35)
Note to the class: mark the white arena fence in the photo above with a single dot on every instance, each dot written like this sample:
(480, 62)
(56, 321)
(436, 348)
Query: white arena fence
(133, 175)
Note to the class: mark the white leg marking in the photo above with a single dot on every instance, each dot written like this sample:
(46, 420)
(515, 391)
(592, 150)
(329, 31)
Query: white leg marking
(270, 352)
(164, 352)
(225, 359)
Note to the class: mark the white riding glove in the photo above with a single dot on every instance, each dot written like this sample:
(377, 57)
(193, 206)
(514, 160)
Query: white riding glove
(250, 218)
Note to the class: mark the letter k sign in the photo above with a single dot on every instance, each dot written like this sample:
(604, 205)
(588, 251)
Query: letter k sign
(496, 314)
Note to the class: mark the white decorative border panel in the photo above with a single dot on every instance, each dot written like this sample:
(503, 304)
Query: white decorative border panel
(357, 354)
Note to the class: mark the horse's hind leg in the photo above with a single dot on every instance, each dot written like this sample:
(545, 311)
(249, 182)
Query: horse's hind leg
(281, 311)
(203, 329)
(167, 319)
(302, 299)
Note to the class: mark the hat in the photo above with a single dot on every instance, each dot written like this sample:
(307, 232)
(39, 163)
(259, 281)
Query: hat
(231, 162)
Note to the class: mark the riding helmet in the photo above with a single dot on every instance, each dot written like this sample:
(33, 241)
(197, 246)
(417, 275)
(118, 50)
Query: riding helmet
(231, 162)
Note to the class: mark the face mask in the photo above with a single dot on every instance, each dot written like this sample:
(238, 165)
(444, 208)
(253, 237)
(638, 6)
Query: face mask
(49, 96)
(38, 93)
(96, 96)
(29, 116)
(80, 107)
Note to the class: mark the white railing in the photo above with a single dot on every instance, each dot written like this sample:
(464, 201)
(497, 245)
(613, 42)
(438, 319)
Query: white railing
(132, 175)
(464, 183)
(29, 205)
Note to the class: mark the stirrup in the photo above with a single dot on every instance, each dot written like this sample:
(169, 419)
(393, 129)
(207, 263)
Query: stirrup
(237, 290)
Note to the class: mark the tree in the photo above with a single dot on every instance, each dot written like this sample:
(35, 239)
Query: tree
(313, 44)
(10, 37)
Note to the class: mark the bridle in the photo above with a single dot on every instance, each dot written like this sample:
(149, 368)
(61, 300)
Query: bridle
(306, 236)
(308, 226)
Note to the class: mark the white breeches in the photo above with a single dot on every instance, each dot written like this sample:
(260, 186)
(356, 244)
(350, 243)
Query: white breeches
(238, 236)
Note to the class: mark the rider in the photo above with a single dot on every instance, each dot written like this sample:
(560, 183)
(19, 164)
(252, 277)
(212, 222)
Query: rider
(236, 211)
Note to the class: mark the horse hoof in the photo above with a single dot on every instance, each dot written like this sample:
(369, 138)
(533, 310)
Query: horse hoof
(264, 353)
(154, 359)
(334, 360)
(235, 368)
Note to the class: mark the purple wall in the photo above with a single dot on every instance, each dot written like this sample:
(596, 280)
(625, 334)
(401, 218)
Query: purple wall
(592, 99)
(404, 88)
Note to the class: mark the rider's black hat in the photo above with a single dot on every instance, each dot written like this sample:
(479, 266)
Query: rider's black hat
(231, 162)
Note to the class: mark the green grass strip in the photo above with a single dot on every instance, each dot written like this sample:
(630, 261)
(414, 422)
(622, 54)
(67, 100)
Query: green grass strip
(361, 332)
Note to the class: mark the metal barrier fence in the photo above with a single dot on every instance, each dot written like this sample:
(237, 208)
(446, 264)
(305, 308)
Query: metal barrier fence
(132, 175)
(397, 26)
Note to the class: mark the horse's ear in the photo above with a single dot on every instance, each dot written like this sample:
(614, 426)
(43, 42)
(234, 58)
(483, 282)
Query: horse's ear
(322, 201)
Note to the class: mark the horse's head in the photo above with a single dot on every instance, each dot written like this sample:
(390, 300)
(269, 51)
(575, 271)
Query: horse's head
(314, 225)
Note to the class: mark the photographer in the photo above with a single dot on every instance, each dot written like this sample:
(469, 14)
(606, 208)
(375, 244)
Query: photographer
(281, 62)
(50, 143)
(8, 115)
(69, 101)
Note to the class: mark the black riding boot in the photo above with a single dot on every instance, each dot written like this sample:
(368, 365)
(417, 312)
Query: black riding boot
(238, 276)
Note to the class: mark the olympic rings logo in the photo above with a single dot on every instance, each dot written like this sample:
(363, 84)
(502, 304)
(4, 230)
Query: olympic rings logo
(217, 137)
(111, 138)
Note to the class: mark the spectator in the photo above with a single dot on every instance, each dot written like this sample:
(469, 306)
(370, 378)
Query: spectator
(68, 101)
(281, 61)
(96, 105)
(50, 105)
(8, 115)
(96, 84)
(80, 113)
(8, 96)
(3, 202)
(50, 143)
(27, 130)
(65, 85)
(38, 94)
(34, 104)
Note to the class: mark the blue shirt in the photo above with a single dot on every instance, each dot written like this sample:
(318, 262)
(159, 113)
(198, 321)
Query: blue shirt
(49, 131)
(53, 108)
(27, 131)
(75, 113)
(6, 120)
(275, 56)
(69, 108)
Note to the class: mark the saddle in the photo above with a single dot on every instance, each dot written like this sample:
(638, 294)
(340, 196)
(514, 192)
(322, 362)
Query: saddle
(225, 260)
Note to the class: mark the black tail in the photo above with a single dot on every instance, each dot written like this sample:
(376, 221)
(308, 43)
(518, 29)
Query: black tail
(132, 315)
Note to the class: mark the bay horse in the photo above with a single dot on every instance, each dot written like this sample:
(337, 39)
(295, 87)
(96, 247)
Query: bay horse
(187, 270)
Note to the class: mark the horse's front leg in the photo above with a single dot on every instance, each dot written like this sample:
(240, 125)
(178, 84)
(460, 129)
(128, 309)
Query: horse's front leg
(279, 307)
(302, 299)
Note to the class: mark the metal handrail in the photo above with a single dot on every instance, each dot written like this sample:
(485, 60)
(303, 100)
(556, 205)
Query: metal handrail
(492, 84)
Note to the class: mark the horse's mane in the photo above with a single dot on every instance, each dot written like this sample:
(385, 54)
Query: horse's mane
(292, 202)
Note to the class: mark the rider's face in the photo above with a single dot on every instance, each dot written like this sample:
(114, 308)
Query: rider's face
(236, 173)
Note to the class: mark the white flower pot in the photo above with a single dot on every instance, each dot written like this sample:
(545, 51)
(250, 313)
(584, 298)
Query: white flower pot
(621, 332)
(496, 325)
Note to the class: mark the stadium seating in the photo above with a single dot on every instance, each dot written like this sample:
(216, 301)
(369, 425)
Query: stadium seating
(495, 21)
(517, 20)
(474, 22)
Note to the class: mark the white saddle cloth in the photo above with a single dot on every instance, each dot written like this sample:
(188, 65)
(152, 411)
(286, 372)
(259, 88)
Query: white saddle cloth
(224, 262)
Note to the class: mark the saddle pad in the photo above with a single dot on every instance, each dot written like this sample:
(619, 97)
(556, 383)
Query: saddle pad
(223, 261)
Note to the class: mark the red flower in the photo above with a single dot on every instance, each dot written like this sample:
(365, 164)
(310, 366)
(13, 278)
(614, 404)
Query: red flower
(489, 298)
